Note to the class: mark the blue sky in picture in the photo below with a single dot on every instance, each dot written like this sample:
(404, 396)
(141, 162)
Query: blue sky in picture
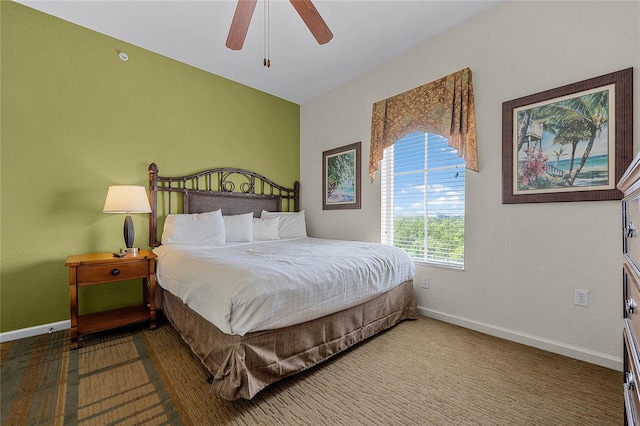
(443, 175)
(600, 145)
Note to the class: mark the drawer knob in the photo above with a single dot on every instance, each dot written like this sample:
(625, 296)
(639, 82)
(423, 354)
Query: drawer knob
(630, 382)
(631, 306)
(115, 271)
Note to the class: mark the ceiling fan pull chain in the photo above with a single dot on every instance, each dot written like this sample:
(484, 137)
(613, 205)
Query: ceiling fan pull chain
(266, 61)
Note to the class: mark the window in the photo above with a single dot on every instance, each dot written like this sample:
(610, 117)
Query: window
(423, 187)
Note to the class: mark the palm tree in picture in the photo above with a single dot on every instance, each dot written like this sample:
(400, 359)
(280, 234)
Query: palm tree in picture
(576, 120)
(523, 127)
(340, 168)
(333, 180)
(571, 135)
(558, 153)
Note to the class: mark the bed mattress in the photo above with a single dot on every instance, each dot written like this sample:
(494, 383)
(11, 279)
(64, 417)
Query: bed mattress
(248, 287)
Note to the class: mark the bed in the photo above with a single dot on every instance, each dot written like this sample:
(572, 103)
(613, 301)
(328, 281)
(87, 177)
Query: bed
(256, 310)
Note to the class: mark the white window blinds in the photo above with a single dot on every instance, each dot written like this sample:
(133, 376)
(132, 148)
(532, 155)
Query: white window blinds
(423, 190)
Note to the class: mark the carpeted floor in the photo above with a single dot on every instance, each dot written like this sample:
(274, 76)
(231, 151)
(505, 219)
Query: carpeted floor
(422, 372)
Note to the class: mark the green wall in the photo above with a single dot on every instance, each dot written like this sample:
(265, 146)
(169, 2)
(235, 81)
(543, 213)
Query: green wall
(76, 119)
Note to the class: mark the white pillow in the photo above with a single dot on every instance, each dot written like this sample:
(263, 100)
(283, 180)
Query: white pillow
(194, 229)
(265, 228)
(291, 225)
(238, 227)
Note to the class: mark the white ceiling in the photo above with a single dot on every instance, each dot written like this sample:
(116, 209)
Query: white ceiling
(366, 33)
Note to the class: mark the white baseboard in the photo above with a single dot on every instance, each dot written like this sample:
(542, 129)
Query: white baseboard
(570, 351)
(34, 331)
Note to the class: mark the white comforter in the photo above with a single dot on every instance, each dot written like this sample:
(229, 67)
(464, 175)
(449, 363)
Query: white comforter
(245, 287)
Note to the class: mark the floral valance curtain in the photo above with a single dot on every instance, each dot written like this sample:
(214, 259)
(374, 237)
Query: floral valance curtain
(444, 107)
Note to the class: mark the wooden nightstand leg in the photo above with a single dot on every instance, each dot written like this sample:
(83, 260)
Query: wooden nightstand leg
(151, 291)
(152, 301)
(73, 303)
(148, 299)
(145, 291)
(74, 338)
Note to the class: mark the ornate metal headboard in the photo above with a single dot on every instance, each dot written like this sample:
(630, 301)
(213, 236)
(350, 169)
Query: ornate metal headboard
(233, 190)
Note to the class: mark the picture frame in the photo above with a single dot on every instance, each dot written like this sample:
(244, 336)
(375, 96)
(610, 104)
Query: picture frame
(571, 143)
(341, 176)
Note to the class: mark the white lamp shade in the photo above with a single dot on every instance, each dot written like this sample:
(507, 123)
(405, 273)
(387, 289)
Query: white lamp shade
(127, 199)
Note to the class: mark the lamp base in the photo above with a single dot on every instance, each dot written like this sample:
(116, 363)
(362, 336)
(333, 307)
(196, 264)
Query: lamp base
(130, 250)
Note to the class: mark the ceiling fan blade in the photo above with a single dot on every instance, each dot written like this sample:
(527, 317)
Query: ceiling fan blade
(313, 20)
(240, 24)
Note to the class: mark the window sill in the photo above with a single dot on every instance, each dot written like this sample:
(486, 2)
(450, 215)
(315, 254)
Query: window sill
(439, 265)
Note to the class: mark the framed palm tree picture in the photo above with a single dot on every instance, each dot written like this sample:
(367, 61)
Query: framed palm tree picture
(572, 143)
(341, 177)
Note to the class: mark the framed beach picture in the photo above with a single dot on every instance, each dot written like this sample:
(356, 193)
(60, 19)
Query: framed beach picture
(341, 178)
(572, 143)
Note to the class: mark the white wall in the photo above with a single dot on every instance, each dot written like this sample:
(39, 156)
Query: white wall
(523, 261)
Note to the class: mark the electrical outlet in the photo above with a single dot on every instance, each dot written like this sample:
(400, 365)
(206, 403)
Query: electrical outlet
(581, 297)
(425, 282)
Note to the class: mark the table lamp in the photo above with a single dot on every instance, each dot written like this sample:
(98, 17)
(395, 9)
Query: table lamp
(127, 199)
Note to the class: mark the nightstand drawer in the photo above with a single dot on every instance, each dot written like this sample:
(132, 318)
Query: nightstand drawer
(112, 272)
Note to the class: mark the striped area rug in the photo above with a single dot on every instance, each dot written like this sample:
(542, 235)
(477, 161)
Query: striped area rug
(110, 379)
(422, 372)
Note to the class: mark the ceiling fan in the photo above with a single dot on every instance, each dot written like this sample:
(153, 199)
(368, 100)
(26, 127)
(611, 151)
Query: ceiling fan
(305, 8)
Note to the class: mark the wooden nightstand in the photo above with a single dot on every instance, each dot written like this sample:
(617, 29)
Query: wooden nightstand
(101, 268)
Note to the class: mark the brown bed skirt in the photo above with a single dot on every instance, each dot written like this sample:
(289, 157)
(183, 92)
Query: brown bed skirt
(244, 365)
